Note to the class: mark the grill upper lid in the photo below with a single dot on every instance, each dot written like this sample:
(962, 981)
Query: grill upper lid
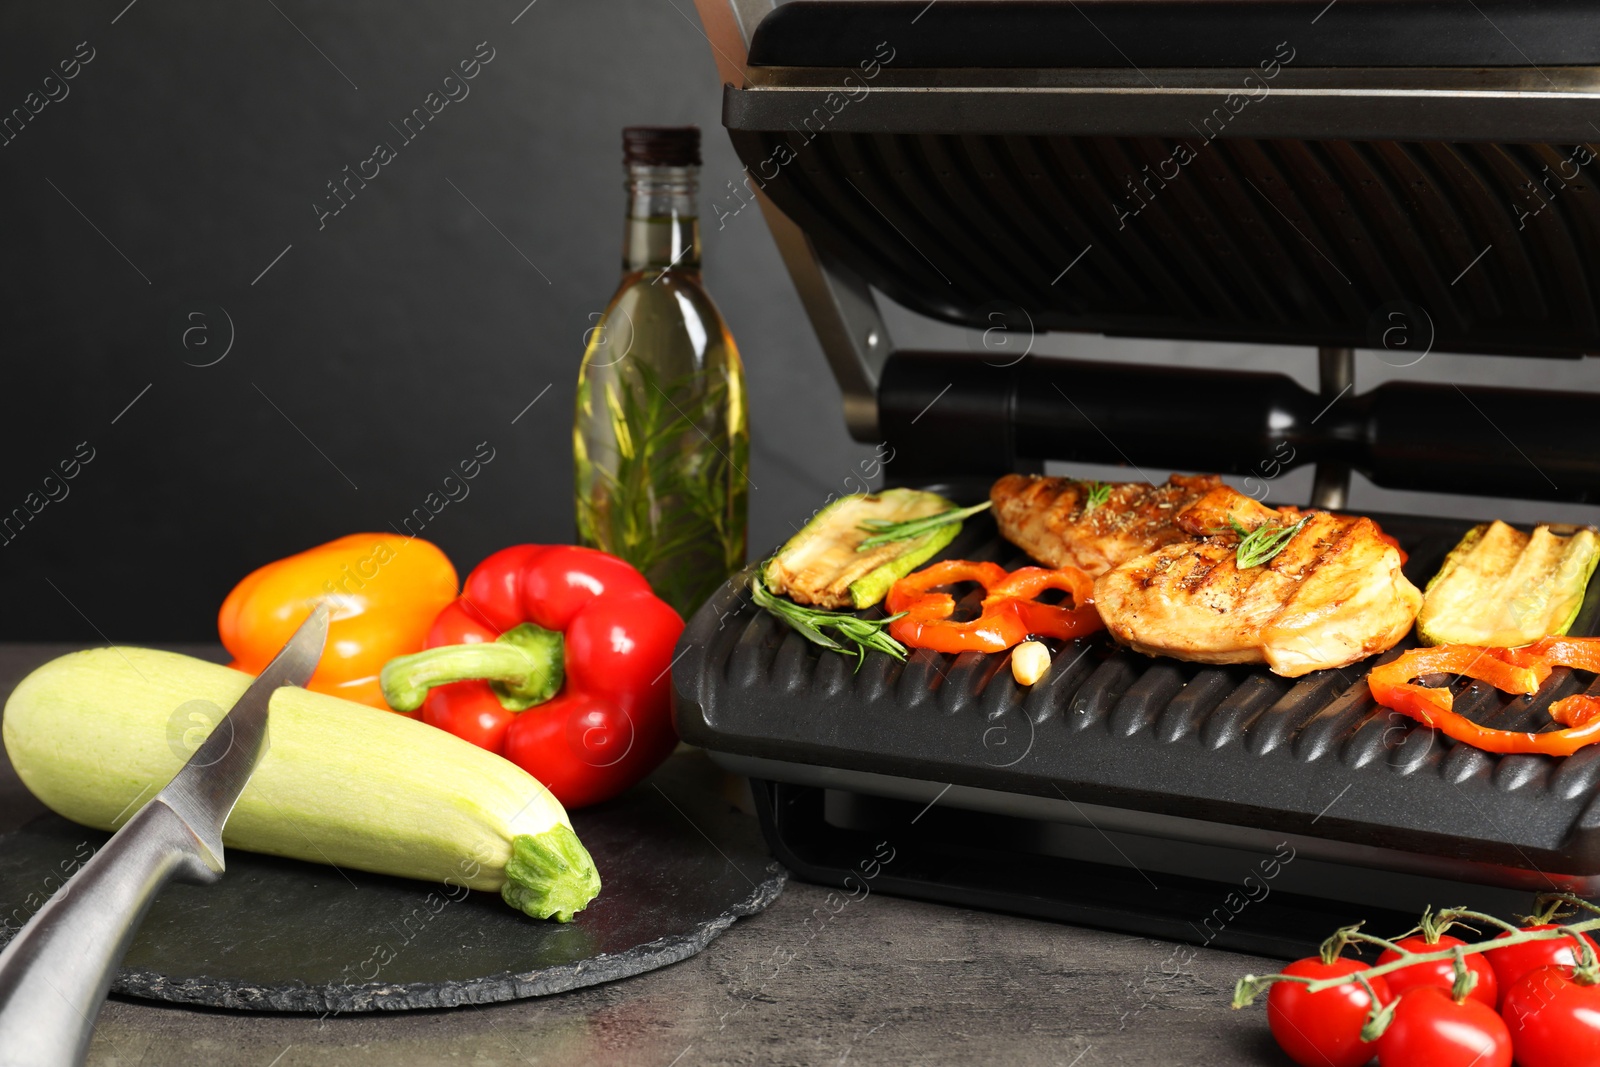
(1175, 170)
(1182, 33)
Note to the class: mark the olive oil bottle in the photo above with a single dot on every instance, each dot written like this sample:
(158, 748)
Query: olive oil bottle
(660, 441)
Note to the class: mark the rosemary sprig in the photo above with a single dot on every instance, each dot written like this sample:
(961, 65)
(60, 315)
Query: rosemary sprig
(1260, 545)
(810, 622)
(885, 532)
(1099, 493)
(649, 489)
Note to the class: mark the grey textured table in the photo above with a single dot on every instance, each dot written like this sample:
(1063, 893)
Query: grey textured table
(880, 980)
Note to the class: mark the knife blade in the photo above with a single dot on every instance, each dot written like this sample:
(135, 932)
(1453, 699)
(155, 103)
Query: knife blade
(55, 973)
(206, 788)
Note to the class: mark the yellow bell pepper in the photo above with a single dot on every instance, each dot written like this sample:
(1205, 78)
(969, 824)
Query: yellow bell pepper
(385, 591)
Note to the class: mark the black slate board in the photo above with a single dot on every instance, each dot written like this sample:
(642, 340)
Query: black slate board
(678, 865)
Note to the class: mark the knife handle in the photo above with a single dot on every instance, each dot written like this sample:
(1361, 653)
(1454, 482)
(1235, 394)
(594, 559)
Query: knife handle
(55, 973)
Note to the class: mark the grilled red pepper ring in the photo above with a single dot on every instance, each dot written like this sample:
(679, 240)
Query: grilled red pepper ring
(1010, 609)
(557, 658)
(1052, 620)
(1520, 670)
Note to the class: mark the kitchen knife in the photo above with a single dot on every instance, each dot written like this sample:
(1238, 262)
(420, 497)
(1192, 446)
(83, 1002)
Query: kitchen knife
(55, 973)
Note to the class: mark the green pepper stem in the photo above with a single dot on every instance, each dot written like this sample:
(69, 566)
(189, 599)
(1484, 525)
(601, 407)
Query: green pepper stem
(524, 666)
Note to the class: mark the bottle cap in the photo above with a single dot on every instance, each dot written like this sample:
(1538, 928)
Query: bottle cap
(661, 146)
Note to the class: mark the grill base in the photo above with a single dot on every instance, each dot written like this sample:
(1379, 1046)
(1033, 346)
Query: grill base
(1281, 903)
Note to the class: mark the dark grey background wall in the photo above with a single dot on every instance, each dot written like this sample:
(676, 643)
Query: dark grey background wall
(381, 345)
(185, 173)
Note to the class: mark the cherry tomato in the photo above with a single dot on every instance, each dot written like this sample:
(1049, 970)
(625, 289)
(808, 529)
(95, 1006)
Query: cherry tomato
(1440, 974)
(1554, 1020)
(1512, 963)
(1431, 1029)
(1323, 1029)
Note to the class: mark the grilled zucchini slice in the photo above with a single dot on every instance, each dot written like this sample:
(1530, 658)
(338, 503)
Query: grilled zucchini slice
(820, 565)
(1503, 588)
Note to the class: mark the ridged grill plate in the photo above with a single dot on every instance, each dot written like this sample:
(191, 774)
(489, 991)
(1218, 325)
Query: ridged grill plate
(1235, 745)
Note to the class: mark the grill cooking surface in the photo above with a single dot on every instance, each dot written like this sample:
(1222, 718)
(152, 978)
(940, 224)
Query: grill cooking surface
(1108, 726)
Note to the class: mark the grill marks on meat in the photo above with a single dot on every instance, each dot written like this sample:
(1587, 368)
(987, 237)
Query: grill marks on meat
(1169, 583)
(1334, 595)
(1049, 519)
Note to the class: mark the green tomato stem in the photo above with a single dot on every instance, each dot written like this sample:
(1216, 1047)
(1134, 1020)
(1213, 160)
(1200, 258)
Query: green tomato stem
(1372, 939)
(1246, 989)
(1588, 970)
(1450, 915)
(1555, 900)
(1349, 935)
(1465, 980)
(1408, 959)
(1435, 924)
(1380, 1015)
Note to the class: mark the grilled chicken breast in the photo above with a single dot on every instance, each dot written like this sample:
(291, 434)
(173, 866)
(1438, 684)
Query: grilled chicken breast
(1168, 581)
(1049, 518)
(1333, 595)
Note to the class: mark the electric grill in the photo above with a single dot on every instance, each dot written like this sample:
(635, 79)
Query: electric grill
(1360, 173)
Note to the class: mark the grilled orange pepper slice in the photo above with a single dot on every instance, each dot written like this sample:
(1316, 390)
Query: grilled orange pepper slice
(1583, 653)
(1513, 670)
(1011, 609)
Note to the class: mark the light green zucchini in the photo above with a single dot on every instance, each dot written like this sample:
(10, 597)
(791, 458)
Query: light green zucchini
(96, 734)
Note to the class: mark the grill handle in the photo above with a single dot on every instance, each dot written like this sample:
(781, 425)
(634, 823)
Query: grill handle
(948, 414)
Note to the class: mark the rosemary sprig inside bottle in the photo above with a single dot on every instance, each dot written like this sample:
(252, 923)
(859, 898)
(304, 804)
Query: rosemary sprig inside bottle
(1262, 544)
(810, 622)
(885, 532)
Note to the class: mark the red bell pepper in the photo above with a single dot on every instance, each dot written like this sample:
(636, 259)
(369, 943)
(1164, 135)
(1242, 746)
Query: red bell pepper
(557, 658)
